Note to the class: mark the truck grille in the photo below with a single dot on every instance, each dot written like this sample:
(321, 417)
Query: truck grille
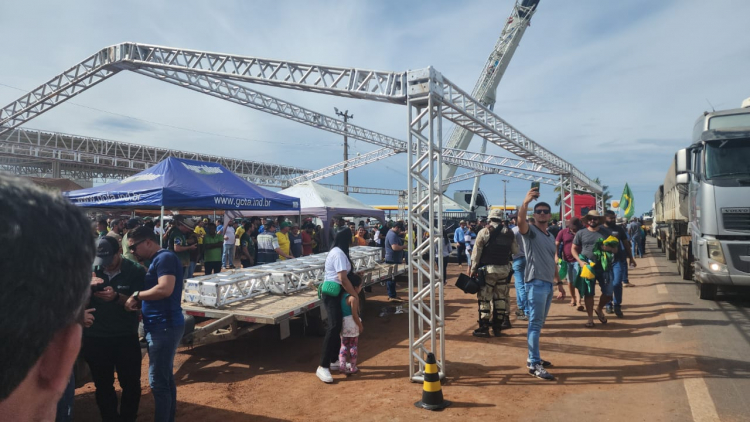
(735, 252)
(739, 221)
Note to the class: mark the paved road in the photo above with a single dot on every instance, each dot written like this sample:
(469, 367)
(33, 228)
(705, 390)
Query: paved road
(711, 342)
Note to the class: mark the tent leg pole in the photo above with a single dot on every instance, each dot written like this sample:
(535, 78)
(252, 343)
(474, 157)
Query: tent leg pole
(161, 224)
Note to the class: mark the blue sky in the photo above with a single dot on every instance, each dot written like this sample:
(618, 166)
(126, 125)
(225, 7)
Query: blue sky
(612, 86)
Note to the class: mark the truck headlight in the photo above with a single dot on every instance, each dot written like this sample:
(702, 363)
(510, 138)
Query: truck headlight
(714, 251)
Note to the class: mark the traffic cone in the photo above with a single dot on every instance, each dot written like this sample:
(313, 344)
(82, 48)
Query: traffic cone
(432, 392)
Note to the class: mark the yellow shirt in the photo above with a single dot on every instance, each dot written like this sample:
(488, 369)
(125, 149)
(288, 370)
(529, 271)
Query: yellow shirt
(283, 244)
(239, 232)
(200, 231)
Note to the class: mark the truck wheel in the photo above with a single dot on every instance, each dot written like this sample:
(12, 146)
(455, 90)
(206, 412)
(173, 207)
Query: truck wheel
(683, 263)
(707, 291)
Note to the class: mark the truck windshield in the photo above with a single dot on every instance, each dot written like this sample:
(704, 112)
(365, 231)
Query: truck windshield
(728, 158)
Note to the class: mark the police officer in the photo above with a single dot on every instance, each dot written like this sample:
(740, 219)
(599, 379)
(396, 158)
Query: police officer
(492, 255)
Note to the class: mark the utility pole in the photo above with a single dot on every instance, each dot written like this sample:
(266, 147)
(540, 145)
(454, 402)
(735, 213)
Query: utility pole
(345, 115)
(505, 192)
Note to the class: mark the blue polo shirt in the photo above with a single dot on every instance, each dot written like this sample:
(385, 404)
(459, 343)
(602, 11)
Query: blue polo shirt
(458, 235)
(165, 312)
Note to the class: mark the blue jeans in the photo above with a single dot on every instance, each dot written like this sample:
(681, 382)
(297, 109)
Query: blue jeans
(390, 285)
(519, 268)
(619, 272)
(227, 258)
(637, 250)
(162, 346)
(625, 276)
(191, 270)
(540, 299)
(573, 268)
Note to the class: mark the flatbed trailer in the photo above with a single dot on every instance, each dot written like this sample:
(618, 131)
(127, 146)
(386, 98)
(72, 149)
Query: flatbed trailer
(231, 321)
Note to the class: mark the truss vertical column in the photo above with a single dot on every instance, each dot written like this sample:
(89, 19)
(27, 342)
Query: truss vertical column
(567, 192)
(401, 211)
(56, 172)
(600, 203)
(424, 201)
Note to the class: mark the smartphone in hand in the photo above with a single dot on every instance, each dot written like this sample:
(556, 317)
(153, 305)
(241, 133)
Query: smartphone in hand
(535, 185)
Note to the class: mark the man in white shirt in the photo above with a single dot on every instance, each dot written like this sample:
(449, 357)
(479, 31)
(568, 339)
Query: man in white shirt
(227, 258)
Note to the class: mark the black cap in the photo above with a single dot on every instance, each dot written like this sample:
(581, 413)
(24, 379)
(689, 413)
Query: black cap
(132, 223)
(106, 248)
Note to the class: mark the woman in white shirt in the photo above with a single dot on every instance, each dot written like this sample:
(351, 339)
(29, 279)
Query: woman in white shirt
(337, 267)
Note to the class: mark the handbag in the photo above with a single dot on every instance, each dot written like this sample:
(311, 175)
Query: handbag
(468, 284)
(329, 288)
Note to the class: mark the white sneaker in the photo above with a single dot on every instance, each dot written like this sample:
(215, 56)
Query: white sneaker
(324, 374)
(335, 366)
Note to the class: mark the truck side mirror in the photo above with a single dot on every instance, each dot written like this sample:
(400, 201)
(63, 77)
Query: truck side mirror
(682, 179)
(682, 161)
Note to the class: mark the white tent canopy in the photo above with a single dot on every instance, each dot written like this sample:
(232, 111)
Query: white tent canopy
(323, 203)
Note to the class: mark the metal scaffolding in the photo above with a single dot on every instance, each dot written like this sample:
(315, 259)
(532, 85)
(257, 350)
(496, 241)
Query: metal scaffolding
(429, 98)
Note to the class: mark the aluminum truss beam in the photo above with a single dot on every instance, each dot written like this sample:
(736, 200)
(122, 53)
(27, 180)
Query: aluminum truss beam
(120, 154)
(462, 177)
(62, 87)
(259, 101)
(352, 163)
(358, 189)
(465, 111)
(339, 81)
(80, 165)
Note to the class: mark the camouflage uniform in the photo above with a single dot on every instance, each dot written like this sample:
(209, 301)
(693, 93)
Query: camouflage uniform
(492, 253)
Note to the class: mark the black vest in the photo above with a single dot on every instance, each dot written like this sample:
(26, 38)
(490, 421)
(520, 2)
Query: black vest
(497, 251)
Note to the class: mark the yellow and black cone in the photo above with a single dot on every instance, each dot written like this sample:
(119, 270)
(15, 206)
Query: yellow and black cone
(432, 390)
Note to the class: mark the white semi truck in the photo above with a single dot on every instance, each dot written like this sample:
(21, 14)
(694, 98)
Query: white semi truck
(703, 206)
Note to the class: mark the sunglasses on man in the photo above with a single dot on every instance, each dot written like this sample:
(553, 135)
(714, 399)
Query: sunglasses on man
(541, 212)
(134, 246)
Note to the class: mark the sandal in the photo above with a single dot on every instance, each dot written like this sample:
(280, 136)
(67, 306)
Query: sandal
(573, 303)
(602, 318)
(589, 325)
(581, 308)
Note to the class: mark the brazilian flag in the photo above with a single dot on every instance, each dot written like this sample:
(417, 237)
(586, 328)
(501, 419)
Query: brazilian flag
(627, 204)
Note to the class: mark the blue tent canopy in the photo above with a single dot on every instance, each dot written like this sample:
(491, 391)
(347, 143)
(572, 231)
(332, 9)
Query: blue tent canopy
(176, 183)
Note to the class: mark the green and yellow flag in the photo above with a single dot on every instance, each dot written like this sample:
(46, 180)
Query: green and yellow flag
(626, 202)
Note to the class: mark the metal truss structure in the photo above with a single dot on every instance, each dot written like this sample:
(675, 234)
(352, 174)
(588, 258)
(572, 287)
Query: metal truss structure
(425, 203)
(428, 96)
(352, 163)
(108, 158)
(494, 68)
(358, 189)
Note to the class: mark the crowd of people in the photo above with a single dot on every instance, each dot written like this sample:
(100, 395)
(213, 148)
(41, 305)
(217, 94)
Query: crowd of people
(138, 266)
(539, 255)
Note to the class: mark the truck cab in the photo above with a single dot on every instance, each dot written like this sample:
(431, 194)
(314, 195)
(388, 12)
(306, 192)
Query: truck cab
(463, 199)
(715, 169)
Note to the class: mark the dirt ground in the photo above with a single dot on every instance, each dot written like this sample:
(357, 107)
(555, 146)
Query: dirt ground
(622, 370)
